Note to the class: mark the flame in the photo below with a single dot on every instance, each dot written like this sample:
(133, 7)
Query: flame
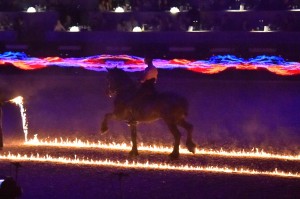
(254, 153)
(19, 102)
(77, 143)
(146, 165)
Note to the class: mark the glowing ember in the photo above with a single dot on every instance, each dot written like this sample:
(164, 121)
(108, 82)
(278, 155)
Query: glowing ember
(254, 153)
(146, 165)
(19, 101)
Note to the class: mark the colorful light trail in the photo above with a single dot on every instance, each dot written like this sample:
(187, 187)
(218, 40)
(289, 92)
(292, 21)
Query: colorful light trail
(214, 65)
(146, 165)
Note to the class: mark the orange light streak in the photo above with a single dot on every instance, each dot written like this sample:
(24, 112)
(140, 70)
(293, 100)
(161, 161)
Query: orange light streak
(77, 143)
(19, 102)
(146, 165)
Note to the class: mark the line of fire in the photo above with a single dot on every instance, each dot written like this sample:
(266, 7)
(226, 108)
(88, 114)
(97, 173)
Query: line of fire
(223, 68)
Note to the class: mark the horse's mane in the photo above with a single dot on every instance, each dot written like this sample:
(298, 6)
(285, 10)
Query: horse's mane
(122, 77)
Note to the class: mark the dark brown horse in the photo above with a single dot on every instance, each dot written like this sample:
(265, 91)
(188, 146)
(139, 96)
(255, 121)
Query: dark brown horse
(169, 107)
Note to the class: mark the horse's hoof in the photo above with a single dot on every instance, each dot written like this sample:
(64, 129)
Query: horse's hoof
(174, 155)
(133, 153)
(191, 147)
(104, 130)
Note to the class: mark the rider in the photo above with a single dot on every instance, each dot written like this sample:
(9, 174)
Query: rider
(150, 77)
(146, 90)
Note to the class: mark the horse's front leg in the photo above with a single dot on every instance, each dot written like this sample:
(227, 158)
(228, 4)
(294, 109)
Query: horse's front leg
(104, 126)
(174, 130)
(133, 129)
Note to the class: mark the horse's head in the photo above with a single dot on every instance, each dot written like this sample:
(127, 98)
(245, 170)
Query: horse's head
(117, 80)
(112, 82)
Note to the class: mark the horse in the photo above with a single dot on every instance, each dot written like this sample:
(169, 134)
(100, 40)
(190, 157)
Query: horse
(170, 107)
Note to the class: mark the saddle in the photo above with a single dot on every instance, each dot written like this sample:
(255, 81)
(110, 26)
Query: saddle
(145, 93)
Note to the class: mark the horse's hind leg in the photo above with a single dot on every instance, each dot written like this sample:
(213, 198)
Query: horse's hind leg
(189, 141)
(175, 132)
(104, 126)
(134, 150)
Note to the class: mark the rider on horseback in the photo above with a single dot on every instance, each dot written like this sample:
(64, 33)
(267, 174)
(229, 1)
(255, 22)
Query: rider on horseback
(137, 105)
(149, 78)
(146, 90)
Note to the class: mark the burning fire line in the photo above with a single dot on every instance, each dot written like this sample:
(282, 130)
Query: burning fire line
(146, 165)
(77, 143)
(19, 102)
(254, 153)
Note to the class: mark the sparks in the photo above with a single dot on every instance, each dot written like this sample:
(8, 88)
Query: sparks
(77, 143)
(19, 102)
(146, 165)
